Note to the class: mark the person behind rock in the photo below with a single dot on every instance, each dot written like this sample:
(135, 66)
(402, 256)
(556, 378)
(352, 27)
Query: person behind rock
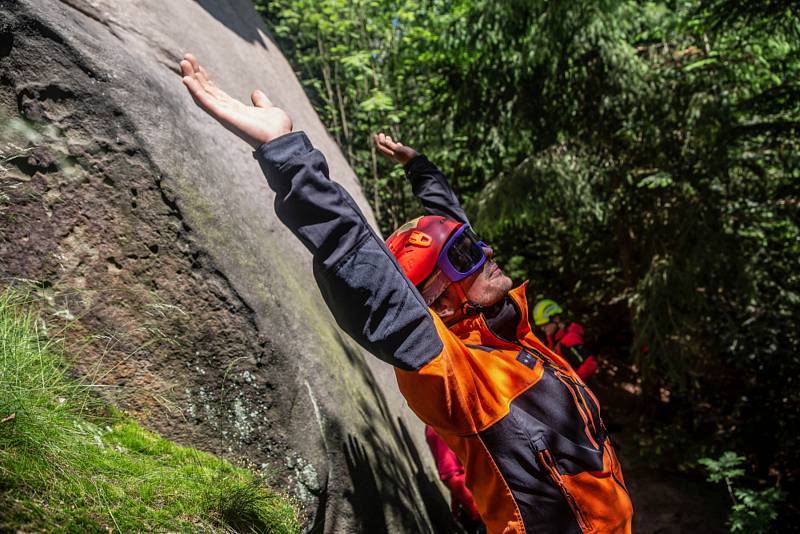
(528, 431)
(564, 338)
(452, 474)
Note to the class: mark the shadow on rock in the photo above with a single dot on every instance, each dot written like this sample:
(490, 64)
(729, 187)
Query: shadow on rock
(387, 480)
(230, 12)
(366, 495)
(436, 505)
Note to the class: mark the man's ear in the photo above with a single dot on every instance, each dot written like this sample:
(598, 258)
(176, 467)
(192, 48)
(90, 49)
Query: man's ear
(443, 306)
(444, 312)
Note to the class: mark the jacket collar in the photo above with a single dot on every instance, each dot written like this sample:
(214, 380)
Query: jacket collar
(475, 330)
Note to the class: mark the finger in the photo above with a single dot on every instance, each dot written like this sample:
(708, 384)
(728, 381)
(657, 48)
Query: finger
(204, 72)
(260, 100)
(197, 91)
(203, 79)
(192, 60)
(212, 87)
(386, 151)
(186, 68)
(201, 74)
(392, 144)
(196, 70)
(203, 99)
(384, 145)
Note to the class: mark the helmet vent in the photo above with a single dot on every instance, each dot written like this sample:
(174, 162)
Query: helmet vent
(420, 239)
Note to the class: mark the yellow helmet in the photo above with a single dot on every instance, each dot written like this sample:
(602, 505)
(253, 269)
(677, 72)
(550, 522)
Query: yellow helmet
(544, 310)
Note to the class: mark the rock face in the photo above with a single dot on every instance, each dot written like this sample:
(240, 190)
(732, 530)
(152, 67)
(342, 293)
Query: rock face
(152, 227)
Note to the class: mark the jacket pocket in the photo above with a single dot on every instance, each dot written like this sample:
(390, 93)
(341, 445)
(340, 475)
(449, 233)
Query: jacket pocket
(549, 465)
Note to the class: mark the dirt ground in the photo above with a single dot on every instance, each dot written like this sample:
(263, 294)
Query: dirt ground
(664, 501)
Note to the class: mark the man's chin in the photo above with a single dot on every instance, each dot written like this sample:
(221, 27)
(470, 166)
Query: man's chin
(505, 283)
(501, 288)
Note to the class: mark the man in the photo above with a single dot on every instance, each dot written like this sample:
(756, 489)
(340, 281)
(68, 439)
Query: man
(524, 425)
(564, 338)
(431, 187)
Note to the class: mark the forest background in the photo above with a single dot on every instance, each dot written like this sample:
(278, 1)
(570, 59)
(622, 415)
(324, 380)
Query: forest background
(637, 161)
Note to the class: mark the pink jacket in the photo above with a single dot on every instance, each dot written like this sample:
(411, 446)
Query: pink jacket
(569, 340)
(447, 463)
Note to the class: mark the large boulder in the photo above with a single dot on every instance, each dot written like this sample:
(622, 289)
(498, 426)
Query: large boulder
(150, 230)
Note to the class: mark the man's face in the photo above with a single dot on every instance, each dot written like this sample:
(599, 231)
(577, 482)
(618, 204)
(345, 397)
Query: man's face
(488, 285)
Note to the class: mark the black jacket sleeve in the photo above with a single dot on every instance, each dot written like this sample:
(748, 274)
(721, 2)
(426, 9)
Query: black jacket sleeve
(432, 189)
(361, 282)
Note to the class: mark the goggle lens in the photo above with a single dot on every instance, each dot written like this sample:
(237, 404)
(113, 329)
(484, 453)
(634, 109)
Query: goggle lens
(462, 255)
(466, 252)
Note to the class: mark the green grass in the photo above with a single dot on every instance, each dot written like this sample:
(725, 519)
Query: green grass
(70, 464)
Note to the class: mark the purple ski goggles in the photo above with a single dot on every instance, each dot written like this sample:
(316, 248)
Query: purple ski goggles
(462, 255)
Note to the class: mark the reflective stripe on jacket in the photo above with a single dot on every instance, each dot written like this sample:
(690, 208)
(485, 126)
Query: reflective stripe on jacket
(523, 424)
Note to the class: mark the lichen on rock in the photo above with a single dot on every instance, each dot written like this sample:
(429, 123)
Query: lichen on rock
(150, 229)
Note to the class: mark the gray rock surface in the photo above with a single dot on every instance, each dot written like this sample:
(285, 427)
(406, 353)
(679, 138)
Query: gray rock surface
(150, 229)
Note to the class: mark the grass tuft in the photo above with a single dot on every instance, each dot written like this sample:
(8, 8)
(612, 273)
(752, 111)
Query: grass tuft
(70, 464)
(240, 504)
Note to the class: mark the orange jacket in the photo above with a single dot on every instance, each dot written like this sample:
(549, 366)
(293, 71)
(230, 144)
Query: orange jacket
(522, 422)
(526, 428)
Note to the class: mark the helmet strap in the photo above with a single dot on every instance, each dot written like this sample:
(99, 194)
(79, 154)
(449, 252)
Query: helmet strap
(468, 307)
(472, 308)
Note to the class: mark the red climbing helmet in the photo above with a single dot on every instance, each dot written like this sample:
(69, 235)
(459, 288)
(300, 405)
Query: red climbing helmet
(418, 243)
(435, 251)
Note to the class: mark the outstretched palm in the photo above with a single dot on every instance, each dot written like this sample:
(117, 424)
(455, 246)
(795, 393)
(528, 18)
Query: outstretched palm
(394, 150)
(257, 124)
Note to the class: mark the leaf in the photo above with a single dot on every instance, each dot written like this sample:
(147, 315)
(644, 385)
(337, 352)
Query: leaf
(655, 181)
(379, 101)
(700, 64)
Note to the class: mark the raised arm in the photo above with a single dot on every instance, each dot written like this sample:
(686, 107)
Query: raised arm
(361, 282)
(427, 181)
(369, 295)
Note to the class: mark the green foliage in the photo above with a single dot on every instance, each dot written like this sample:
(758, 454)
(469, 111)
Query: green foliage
(753, 510)
(639, 161)
(66, 466)
(369, 66)
(725, 468)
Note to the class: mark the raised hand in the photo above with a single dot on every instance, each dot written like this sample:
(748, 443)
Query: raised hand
(393, 150)
(257, 124)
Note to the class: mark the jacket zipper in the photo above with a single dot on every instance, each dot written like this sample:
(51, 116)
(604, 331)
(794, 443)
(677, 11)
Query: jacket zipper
(547, 461)
(581, 406)
(564, 378)
(621, 485)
